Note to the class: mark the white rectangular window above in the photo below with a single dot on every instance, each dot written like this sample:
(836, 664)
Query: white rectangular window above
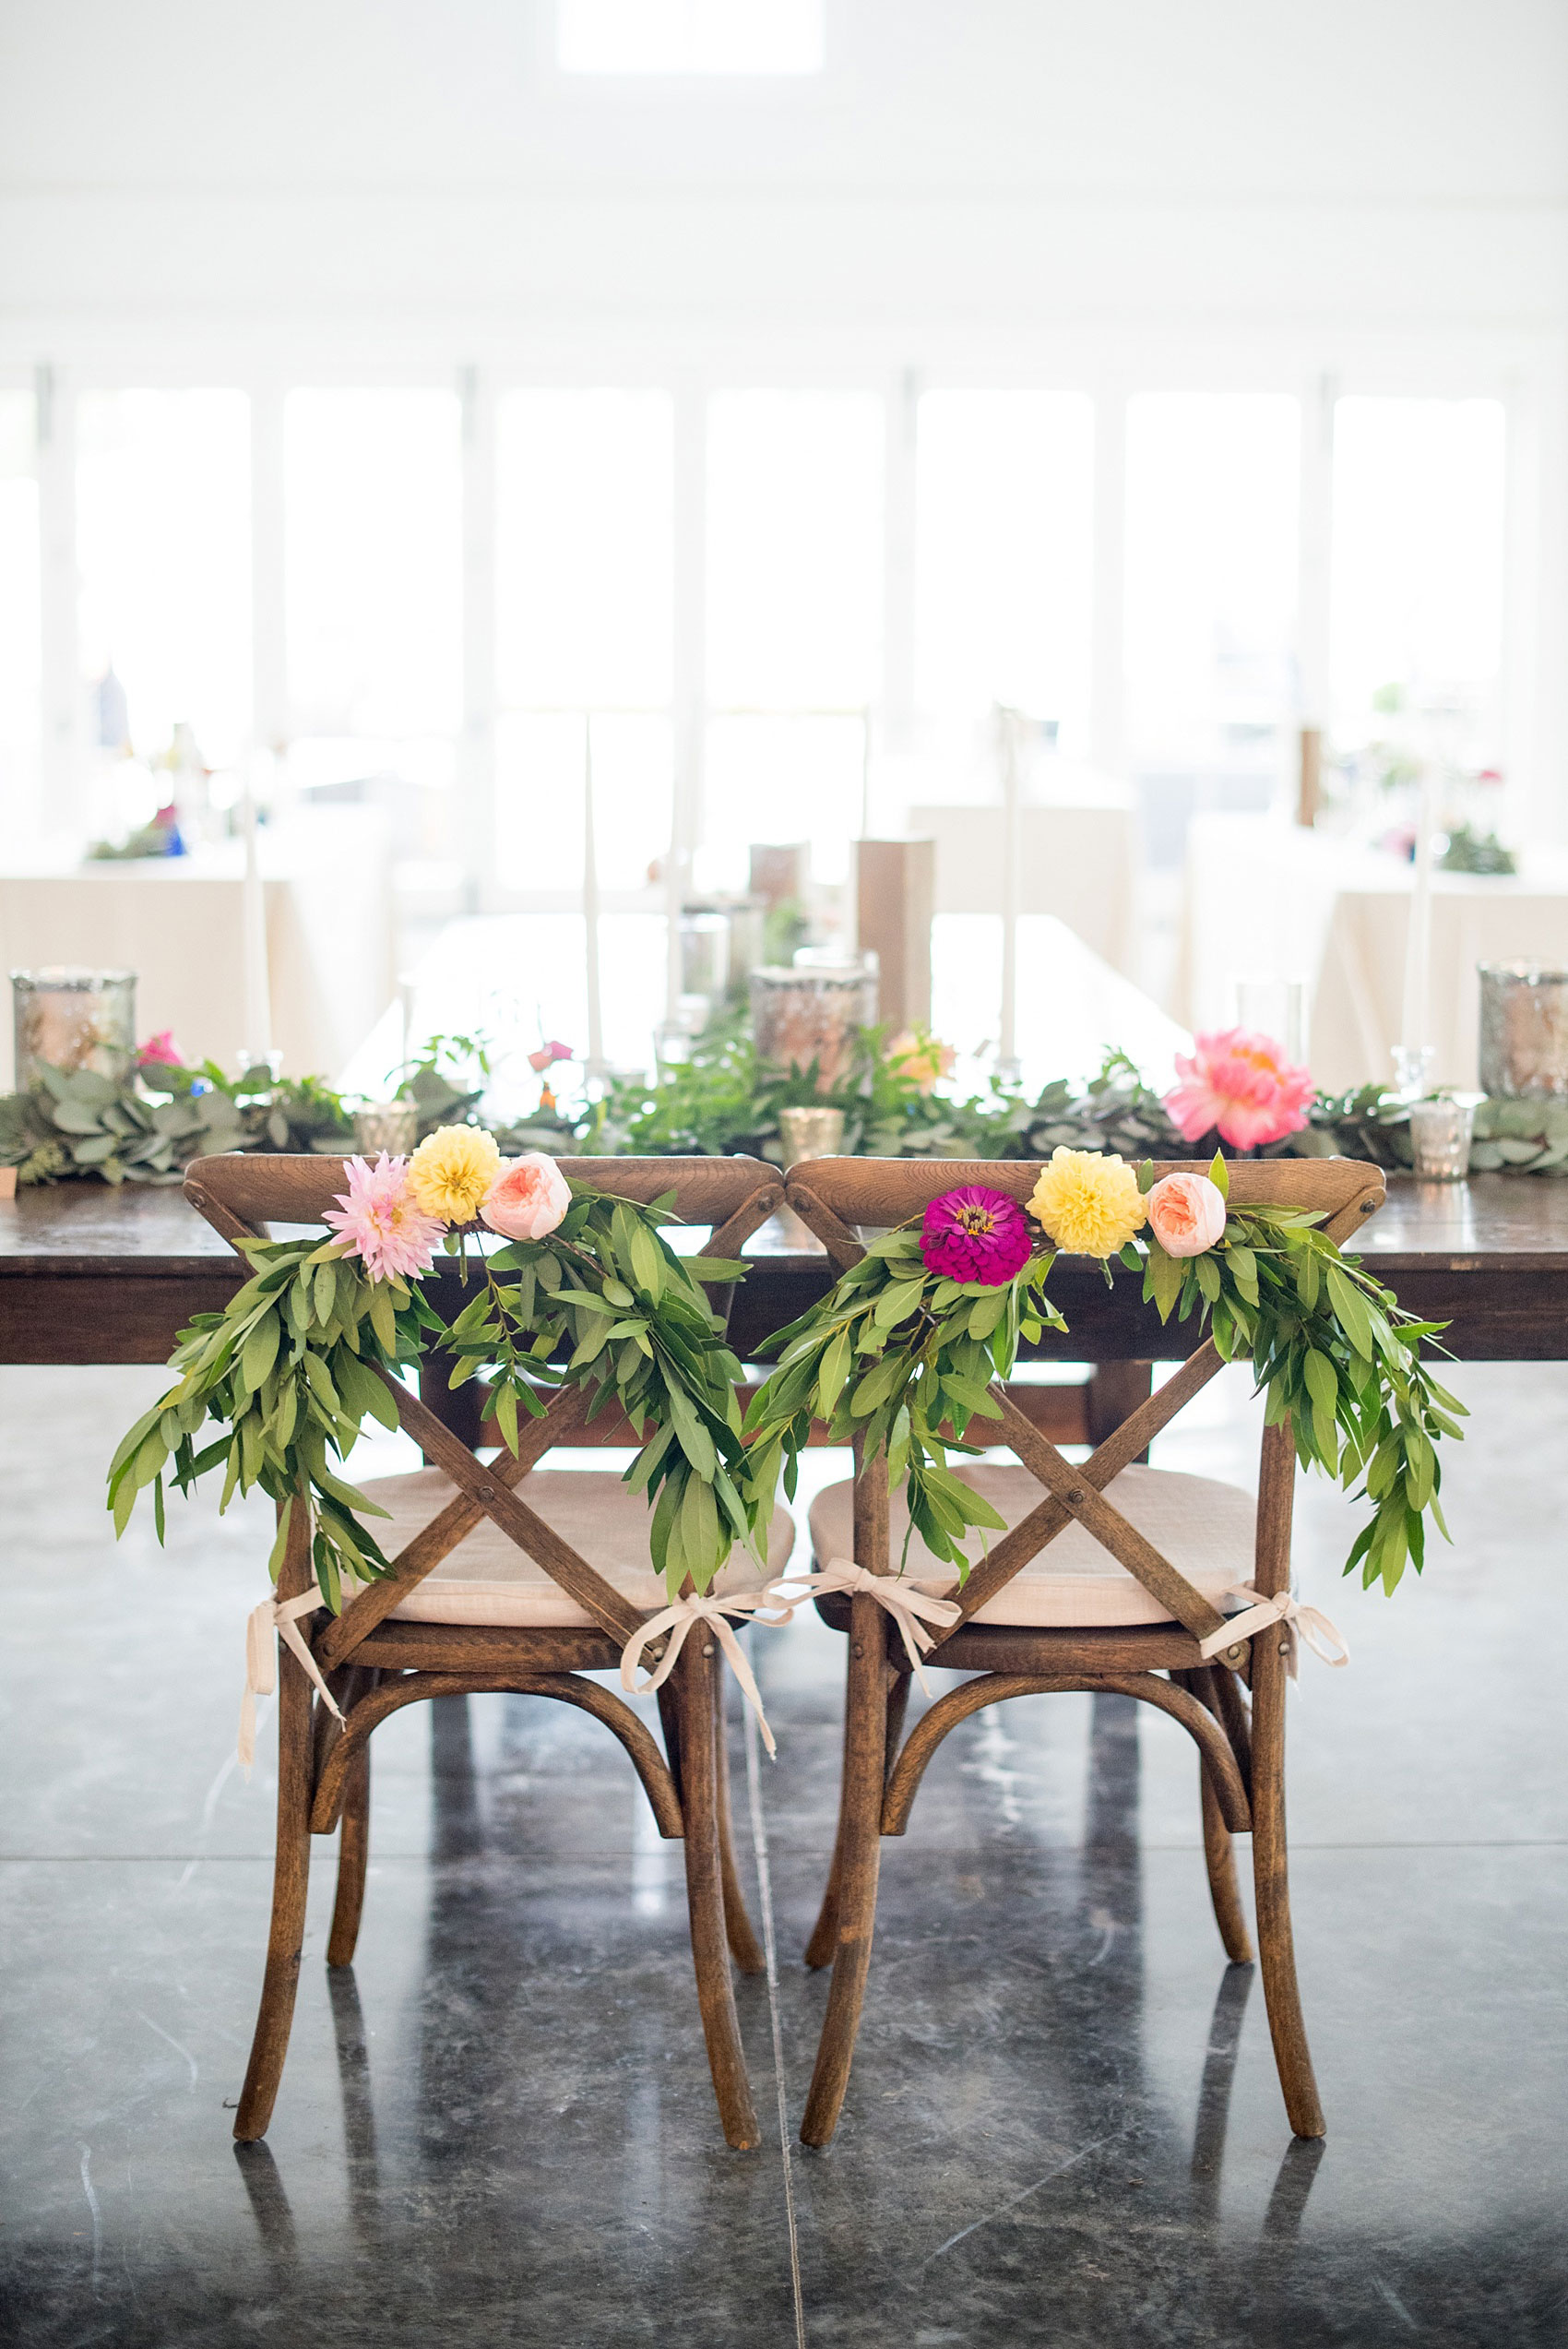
(689, 36)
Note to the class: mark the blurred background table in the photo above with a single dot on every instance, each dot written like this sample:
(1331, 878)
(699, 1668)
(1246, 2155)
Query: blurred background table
(177, 922)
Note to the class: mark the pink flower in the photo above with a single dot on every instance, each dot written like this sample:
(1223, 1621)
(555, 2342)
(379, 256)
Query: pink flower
(160, 1052)
(547, 1055)
(1241, 1084)
(379, 1219)
(975, 1234)
(527, 1199)
(1186, 1214)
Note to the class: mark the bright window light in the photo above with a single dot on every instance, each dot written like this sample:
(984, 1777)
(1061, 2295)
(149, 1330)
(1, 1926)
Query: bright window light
(21, 672)
(1212, 495)
(689, 36)
(1419, 489)
(163, 548)
(585, 549)
(375, 547)
(794, 549)
(585, 557)
(1005, 565)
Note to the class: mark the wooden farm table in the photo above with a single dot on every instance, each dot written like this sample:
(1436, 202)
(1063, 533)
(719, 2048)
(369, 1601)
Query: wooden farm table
(89, 1274)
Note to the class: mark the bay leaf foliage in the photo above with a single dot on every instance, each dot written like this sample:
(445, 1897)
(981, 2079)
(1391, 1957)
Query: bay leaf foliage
(898, 1357)
(300, 1356)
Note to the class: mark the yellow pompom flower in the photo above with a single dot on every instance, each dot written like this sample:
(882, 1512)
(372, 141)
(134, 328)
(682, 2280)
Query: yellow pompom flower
(1089, 1203)
(451, 1172)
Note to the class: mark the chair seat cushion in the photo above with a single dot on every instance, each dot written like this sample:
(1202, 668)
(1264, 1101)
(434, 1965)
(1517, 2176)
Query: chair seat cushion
(1204, 1528)
(487, 1578)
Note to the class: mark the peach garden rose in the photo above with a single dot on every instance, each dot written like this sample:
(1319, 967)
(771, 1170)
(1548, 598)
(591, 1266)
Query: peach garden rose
(527, 1199)
(1186, 1214)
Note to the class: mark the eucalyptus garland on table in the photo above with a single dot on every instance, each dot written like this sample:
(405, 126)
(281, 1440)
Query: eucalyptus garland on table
(292, 1366)
(902, 1351)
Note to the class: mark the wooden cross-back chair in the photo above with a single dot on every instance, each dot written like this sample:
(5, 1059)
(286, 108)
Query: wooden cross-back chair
(548, 1584)
(1134, 1580)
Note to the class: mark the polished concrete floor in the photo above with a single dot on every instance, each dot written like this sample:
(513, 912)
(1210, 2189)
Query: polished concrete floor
(1063, 2125)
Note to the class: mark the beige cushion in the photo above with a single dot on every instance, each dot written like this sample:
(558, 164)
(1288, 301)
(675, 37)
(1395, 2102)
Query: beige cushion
(487, 1578)
(1203, 1527)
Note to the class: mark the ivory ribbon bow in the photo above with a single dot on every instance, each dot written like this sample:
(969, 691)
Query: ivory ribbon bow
(1310, 1622)
(276, 1616)
(678, 1620)
(910, 1608)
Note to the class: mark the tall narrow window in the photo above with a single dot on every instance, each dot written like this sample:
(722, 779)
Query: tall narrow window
(795, 490)
(1417, 627)
(21, 669)
(1006, 559)
(163, 550)
(1212, 496)
(583, 631)
(374, 606)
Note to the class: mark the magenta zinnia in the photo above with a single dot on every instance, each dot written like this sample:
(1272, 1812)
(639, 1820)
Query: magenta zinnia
(380, 1222)
(975, 1234)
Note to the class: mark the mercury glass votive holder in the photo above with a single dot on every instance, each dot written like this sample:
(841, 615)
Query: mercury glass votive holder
(73, 1019)
(811, 1013)
(1440, 1138)
(1524, 1039)
(810, 1133)
(390, 1125)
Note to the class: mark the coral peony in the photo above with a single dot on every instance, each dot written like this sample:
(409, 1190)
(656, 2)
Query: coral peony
(379, 1220)
(1243, 1085)
(1186, 1214)
(452, 1170)
(548, 1054)
(1088, 1201)
(527, 1199)
(160, 1052)
(975, 1234)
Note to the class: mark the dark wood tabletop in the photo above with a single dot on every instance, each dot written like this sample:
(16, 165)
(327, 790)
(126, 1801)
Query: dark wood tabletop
(89, 1274)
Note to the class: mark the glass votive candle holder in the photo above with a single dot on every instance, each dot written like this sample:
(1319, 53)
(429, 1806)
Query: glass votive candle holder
(810, 1132)
(1440, 1138)
(390, 1125)
(74, 1020)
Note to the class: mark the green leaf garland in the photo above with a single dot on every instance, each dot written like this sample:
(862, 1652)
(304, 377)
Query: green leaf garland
(291, 1369)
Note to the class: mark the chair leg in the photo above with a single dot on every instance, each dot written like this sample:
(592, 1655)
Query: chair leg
(745, 1947)
(705, 1897)
(1272, 1893)
(353, 1856)
(852, 1889)
(290, 1881)
(1220, 1857)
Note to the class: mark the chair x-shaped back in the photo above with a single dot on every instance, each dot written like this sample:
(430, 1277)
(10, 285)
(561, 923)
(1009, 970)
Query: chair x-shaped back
(375, 1665)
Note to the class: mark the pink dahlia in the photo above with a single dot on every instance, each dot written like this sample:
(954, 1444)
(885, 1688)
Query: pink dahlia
(378, 1217)
(1243, 1085)
(975, 1234)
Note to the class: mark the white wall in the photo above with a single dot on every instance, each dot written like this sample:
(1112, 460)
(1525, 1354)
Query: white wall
(1383, 162)
(1116, 193)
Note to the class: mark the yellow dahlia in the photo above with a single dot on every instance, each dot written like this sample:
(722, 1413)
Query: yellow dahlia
(451, 1170)
(1088, 1201)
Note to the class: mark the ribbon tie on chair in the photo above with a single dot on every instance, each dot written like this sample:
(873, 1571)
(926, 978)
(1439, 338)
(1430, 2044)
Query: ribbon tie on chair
(280, 1617)
(910, 1608)
(678, 1620)
(1310, 1623)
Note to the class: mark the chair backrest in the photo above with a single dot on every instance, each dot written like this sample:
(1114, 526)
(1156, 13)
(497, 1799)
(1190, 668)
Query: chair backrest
(242, 1194)
(250, 1189)
(880, 1191)
(834, 1194)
